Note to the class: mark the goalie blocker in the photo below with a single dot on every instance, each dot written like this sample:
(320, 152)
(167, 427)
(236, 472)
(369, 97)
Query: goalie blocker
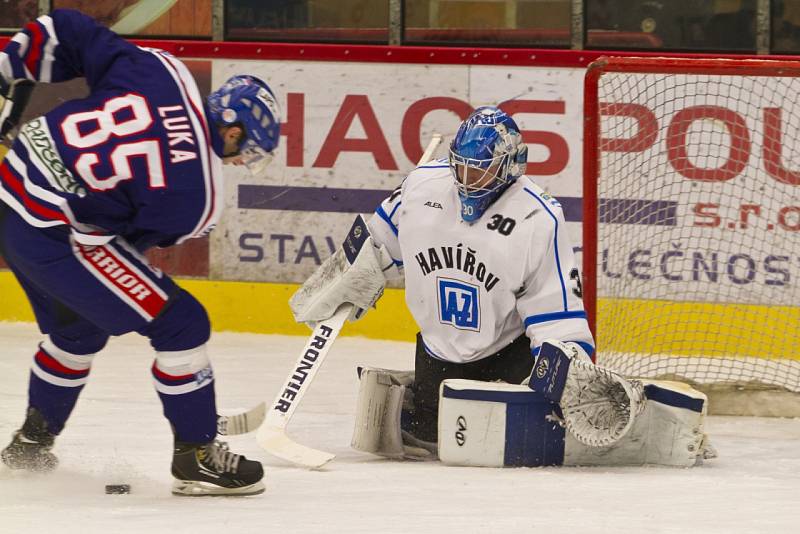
(491, 424)
(354, 274)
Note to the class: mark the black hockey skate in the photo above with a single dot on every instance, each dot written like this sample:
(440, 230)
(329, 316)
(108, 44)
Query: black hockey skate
(416, 444)
(211, 469)
(30, 446)
(418, 449)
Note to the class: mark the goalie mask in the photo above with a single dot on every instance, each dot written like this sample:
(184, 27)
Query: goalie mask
(248, 102)
(486, 157)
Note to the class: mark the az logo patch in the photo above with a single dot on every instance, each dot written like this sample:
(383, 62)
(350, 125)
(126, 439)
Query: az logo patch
(459, 304)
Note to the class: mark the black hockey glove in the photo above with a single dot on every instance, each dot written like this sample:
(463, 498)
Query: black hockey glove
(14, 97)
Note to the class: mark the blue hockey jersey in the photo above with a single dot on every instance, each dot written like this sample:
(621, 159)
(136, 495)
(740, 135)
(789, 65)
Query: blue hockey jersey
(136, 158)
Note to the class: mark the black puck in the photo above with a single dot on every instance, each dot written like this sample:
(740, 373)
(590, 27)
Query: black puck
(118, 489)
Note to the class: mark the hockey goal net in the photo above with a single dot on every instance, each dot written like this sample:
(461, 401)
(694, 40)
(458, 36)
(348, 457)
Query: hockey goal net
(692, 225)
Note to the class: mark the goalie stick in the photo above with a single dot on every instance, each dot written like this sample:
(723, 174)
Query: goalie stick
(430, 149)
(272, 435)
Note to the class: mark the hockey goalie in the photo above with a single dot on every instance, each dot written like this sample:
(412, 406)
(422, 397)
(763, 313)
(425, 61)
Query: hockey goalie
(503, 371)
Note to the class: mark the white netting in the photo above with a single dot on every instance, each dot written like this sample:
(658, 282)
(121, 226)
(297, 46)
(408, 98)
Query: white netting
(698, 254)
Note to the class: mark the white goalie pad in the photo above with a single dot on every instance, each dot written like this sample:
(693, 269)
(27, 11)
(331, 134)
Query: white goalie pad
(379, 409)
(488, 424)
(493, 424)
(353, 274)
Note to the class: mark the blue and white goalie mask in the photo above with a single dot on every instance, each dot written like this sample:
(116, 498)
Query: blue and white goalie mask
(248, 102)
(486, 156)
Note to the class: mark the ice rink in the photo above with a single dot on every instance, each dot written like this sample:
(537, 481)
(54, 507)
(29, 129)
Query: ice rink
(118, 435)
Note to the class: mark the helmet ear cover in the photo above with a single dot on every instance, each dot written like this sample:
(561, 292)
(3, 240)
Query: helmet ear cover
(520, 162)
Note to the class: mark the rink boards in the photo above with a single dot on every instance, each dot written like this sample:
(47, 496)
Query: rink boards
(351, 132)
(263, 308)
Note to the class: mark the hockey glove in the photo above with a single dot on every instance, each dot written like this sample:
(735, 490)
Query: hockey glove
(599, 406)
(14, 98)
(353, 274)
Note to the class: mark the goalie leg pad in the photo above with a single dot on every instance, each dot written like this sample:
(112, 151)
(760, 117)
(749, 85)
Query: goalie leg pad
(668, 432)
(492, 424)
(379, 409)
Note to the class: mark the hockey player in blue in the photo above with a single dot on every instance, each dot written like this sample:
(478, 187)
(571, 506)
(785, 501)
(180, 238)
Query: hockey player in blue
(85, 190)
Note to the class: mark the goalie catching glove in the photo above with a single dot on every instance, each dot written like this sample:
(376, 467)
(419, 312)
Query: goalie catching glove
(599, 406)
(354, 274)
(14, 98)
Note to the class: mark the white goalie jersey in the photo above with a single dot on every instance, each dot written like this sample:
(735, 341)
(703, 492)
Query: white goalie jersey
(474, 288)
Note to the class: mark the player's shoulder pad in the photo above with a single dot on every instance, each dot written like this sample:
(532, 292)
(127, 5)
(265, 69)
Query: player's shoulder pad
(434, 170)
(435, 164)
(543, 202)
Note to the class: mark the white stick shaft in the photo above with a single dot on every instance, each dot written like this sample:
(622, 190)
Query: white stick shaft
(305, 369)
(430, 149)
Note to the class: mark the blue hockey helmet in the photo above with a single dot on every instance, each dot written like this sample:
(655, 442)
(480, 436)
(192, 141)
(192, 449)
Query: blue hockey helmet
(486, 156)
(248, 102)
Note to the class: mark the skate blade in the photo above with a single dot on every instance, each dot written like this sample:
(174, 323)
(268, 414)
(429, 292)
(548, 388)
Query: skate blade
(194, 488)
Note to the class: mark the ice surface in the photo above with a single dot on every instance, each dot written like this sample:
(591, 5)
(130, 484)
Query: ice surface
(117, 435)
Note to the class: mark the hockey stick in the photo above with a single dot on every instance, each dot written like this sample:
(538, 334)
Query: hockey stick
(430, 149)
(241, 423)
(272, 434)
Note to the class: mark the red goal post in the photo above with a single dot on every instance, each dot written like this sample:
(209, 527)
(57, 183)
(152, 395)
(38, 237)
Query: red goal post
(691, 233)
